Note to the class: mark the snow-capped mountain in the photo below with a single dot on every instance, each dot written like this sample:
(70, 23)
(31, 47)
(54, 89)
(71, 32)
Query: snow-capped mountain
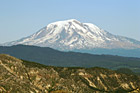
(72, 34)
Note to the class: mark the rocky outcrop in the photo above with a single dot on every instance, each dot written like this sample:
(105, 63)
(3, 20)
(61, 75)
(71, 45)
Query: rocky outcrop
(18, 76)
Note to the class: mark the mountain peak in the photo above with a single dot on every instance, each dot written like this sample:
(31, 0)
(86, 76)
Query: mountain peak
(65, 22)
(71, 20)
(72, 34)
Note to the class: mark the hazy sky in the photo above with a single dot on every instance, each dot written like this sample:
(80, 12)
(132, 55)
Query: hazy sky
(21, 18)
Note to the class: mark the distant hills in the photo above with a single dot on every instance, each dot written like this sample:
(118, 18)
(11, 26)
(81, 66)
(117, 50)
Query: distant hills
(119, 52)
(18, 76)
(49, 56)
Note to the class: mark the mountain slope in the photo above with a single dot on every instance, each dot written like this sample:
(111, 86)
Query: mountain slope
(17, 76)
(53, 57)
(72, 34)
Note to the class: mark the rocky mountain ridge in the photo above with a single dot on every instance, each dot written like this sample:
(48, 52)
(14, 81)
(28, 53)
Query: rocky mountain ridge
(19, 76)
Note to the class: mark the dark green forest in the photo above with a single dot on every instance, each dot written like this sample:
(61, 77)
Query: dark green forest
(51, 57)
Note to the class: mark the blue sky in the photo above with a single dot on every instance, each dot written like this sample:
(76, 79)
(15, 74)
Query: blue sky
(21, 18)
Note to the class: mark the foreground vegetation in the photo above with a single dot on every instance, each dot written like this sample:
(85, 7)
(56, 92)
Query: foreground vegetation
(27, 77)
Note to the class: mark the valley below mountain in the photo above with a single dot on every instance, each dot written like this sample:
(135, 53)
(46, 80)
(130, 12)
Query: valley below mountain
(20, 76)
(52, 57)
